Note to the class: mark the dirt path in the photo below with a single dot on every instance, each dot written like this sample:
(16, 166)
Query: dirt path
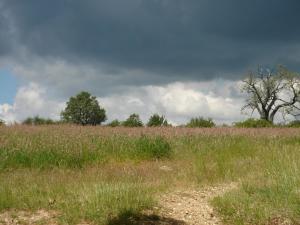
(181, 207)
(23, 217)
(192, 206)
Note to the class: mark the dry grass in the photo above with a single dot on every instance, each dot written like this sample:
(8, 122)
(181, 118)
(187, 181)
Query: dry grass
(102, 174)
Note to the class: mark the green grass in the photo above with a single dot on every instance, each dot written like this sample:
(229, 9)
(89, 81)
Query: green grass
(100, 174)
(21, 152)
(271, 189)
(80, 196)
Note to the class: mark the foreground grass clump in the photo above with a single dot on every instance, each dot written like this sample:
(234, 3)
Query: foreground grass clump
(44, 150)
(156, 147)
(269, 190)
(225, 159)
(79, 196)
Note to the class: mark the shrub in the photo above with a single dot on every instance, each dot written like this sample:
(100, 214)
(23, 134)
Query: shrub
(201, 122)
(133, 121)
(114, 123)
(157, 121)
(253, 123)
(153, 147)
(2, 122)
(295, 124)
(38, 121)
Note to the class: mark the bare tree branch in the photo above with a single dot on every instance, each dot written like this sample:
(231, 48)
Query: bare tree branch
(267, 92)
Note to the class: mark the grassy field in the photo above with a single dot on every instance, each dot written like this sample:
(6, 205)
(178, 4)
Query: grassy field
(98, 174)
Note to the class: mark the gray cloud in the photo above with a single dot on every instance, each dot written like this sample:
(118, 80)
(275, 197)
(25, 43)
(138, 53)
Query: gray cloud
(165, 40)
(5, 32)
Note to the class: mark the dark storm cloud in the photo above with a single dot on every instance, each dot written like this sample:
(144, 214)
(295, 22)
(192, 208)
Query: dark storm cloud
(5, 44)
(177, 39)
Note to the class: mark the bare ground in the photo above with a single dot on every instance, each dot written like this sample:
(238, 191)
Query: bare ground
(193, 206)
(23, 217)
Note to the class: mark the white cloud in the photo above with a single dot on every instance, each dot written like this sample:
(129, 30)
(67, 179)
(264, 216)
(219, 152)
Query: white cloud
(30, 100)
(177, 101)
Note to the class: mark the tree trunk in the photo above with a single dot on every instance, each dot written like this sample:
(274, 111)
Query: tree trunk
(266, 116)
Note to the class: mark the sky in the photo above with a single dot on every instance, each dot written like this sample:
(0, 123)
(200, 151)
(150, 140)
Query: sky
(178, 58)
(8, 86)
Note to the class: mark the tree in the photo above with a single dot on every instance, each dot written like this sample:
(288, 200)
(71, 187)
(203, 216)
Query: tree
(114, 123)
(157, 121)
(1, 122)
(38, 121)
(84, 109)
(270, 92)
(201, 122)
(133, 121)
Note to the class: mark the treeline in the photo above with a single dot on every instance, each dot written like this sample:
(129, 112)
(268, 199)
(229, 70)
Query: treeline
(157, 120)
(84, 109)
(133, 120)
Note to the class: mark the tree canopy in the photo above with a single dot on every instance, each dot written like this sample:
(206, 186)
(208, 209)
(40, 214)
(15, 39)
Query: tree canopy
(38, 121)
(84, 109)
(133, 121)
(272, 91)
(200, 122)
(114, 123)
(157, 121)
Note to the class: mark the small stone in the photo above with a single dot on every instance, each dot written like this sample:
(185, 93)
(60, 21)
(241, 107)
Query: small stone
(166, 168)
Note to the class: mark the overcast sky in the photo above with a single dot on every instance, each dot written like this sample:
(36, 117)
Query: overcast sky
(180, 58)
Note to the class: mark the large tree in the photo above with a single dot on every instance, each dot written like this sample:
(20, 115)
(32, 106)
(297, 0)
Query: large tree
(84, 109)
(272, 91)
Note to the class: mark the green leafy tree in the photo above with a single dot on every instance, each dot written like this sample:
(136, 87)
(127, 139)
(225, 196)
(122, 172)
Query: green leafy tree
(133, 121)
(157, 121)
(38, 121)
(114, 123)
(84, 109)
(201, 122)
(28, 121)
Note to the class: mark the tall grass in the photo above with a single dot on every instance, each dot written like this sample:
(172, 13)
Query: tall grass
(77, 196)
(46, 150)
(271, 189)
(98, 174)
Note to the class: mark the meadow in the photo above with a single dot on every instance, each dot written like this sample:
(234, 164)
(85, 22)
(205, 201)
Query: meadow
(103, 175)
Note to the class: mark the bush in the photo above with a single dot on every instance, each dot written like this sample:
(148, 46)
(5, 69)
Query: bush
(153, 147)
(201, 122)
(295, 124)
(2, 122)
(133, 121)
(114, 123)
(253, 123)
(38, 121)
(157, 121)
